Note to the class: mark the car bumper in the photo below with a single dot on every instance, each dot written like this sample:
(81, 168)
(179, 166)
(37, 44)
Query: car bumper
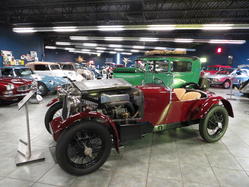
(13, 97)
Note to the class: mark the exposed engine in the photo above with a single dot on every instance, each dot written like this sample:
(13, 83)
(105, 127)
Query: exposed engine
(120, 104)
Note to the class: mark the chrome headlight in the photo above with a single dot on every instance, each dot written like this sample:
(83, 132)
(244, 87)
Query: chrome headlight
(10, 87)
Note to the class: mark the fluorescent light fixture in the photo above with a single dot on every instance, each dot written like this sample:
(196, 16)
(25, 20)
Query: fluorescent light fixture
(114, 45)
(110, 28)
(180, 49)
(113, 38)
(161, 27)
(50, 47)
(217, 26)
(160, 48)
(126, 53)
(183, 40)
(143, 39)
(100, 48)
(118, 49)
(227, 41)
(90, 44)
(78, 38)
(112, 52)
(65, 29)
(135, 51)
(203, 59)
(69, 48)
(138, 47)
(100, 51)
(63, 43)
(24, 30)
(85, 50)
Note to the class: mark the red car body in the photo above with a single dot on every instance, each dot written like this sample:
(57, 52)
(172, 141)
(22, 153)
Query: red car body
(161, 109)
(12, 89)
(213, 69)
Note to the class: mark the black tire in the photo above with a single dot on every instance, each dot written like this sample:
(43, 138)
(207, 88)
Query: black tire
(217, 114)
(49, 116)
(42, 88)
(77, 139)
(226, 84)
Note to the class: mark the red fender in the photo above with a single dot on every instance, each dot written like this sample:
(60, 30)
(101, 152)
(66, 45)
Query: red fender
(58, 125)
(55, 100)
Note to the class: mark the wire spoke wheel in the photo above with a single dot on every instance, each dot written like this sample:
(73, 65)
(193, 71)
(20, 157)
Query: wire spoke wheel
(83, 148)
(214, 125)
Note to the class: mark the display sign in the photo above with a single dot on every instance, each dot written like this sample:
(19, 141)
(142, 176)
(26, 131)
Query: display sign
(25, 99)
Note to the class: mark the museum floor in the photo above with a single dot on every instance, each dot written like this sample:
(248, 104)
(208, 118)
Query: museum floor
(175, 158)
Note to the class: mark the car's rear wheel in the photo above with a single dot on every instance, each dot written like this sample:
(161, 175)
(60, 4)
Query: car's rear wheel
(227, 84)
(83, 148)
(54, 111)
(42, 88)
(213, 127)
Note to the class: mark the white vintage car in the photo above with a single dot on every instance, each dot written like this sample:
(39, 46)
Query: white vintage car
(53, 69)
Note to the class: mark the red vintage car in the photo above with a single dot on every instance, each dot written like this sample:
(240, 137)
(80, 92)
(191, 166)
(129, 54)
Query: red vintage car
(13, 89)
(96, 114)
(213, 69)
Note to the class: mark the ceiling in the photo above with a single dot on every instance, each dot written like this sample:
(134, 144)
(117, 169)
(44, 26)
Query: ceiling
(47, 13)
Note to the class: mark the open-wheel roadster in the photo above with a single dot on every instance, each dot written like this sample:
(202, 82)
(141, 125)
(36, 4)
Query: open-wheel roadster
(98, 114)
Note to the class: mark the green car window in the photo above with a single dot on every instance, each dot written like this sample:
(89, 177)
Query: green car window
(182, 66)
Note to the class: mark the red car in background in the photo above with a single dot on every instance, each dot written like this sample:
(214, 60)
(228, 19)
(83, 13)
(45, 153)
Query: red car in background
(213, 69)
(13, 89)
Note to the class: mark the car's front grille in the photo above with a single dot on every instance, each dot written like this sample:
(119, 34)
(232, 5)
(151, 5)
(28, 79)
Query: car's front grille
(24, 88)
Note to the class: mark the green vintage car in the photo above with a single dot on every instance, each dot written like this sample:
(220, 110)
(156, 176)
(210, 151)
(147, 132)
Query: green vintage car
(171, 71)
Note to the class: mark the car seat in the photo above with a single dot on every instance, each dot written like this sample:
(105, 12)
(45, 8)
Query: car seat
(191, 96)
(179, 92)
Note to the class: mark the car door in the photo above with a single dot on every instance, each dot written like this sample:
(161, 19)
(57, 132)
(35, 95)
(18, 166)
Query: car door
(158, 73)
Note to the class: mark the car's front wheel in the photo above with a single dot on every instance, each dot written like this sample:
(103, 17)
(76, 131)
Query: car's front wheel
(42, 88)
(227, 84)
(83, 148)
(213, 127)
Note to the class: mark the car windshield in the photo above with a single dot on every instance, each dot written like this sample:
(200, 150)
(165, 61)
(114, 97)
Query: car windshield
(67, 67)
(23, 72)
(212, 69)
(225, 72)
(54, 67)
(7, 72)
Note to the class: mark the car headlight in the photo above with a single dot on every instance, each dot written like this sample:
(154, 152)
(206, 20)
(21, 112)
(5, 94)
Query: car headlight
(10, 87)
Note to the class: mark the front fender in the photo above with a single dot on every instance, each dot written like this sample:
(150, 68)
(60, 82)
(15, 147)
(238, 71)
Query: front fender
(228, 107)
(58, 125)
(53, 101)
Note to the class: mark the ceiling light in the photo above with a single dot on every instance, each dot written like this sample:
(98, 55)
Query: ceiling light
(69, 48)
(227, 41)
(112, 52)
(85, 50)
(50, 47)
(148, 39)
(160, 27)
(101, 48)
(119, 49)
(160, 48)
(62, 43)
(113, 38)
(183, 40)
(78, 38)
(65, 29)
(126, 53)
(90, 44)
(135, 51)
(111, 28)
(24, 30)
(217, 26)
(180, 49)
(138, 47)
(99, 51)
(114, 45)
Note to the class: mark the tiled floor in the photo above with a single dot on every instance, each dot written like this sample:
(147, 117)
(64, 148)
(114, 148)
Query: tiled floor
(176, 158)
